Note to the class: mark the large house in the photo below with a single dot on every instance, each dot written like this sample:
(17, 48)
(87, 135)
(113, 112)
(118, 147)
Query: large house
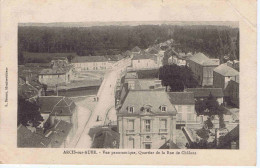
(144, 61)
(184, 103)
(146, 120)
(222, 75)
(202, 67)
(91, 63)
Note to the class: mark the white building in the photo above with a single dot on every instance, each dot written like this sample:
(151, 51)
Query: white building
(91, 63)
(144, 61)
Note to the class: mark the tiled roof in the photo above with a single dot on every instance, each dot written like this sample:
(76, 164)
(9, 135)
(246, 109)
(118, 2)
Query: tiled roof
(205, 92)
(89, 59)
(131, 75)
(136, 49)
(233, 135)
(28, 139)
(153, 98)
(56, 105)
(58, 133)
(202, 59)
(225, 70)
(153, 50)
(182, 98)
(106, 138)
(27, 91)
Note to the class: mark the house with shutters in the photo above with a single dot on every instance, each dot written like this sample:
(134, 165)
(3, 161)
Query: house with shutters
(202, 67)
(144, 61)
(146, 120)
(184, 103)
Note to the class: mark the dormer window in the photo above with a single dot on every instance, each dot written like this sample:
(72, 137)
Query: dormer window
(131, 109)
(163, 108)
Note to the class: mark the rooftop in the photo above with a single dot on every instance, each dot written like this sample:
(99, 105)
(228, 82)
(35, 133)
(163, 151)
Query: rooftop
(152, 98)
(58, 133)
(136, 49)
(56, 105)
(182, 98)
(205, 92)
(27, 138)
(226, 70)
(202, 59)
(80, 59)
(106, 138)
(54, 71)
(143, 56)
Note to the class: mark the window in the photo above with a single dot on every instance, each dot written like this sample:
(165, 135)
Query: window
(189, 108)
(147, 146)
(190, 117)
(131, 109)
(179, 117)
(147, 124)
(179, 108)
(163, 109)
(130, 125)
(131, 143)
(163, 125)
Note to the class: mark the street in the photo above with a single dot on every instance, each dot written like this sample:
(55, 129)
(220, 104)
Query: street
(106, 100)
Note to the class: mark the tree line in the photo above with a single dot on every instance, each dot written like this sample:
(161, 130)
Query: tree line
(215, 41)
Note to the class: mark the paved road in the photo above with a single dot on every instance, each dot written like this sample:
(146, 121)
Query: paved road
(106, 96)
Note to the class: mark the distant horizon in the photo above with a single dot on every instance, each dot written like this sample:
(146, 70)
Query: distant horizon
(233, 24)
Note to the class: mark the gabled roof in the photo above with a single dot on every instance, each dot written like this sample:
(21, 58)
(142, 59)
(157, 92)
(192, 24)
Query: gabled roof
(56, 105)
(81, 59)
(205, 92)
(225, 70)
(53, 71)
(153, 50)
(140, 98)
(136, 49)
(202, 59)
(106, 138)
(233, 135)
(182, 98)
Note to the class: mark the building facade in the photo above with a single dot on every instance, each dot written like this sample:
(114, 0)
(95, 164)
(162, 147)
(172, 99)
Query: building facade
(144, 61)
(91, 63)
(146, 120)
(222, 75)
(184, 103)
(203, 67)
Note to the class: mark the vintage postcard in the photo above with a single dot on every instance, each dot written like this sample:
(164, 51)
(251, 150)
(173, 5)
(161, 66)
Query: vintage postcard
(132, 82)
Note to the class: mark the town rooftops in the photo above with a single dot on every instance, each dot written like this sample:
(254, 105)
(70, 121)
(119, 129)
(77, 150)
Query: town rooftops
(58, 133)
(105, 138)
(143, 56)
(54, 71)
(225, 70)
(131, 75)
(56, 105)
(81, 59)
(136, 49)
(182, 98)
(153, 99)
(153, 50)
(27, 91)
(28, 139)
(205, 92)
(202, 59)
(147, 84)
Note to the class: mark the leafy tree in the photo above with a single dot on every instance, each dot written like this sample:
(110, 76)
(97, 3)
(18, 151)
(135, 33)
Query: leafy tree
(177, 77)
(28, 112)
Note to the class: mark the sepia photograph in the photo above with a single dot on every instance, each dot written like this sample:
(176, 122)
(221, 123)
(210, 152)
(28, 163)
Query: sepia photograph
(129, 85)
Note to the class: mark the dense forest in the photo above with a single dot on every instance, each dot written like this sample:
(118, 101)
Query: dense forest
(215, 41)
